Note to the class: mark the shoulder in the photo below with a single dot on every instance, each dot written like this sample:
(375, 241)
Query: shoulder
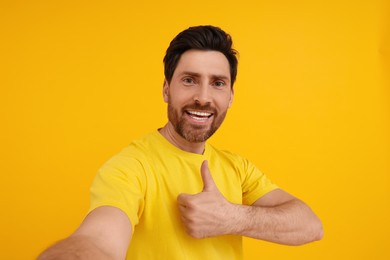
(225, 154)
(137, 149)
(236, 160)
(131, 159)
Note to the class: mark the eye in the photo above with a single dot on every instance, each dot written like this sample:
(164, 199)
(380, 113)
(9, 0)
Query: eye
(188, 81)
(219, 83)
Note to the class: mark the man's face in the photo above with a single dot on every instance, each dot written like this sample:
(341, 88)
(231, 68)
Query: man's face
(199, 94)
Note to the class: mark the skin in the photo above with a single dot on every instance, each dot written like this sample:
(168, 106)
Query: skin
(200, 83)
(104, 234)
(276, 217)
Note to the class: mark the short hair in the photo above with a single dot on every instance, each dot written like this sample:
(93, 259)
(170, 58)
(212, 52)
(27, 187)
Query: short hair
(205, 37)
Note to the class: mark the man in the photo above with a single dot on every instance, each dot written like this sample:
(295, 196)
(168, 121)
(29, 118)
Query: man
(170, 194)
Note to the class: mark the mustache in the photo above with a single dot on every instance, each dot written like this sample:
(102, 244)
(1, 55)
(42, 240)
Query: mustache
(199, 107)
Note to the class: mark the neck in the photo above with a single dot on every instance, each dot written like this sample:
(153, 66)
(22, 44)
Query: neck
(174, 138)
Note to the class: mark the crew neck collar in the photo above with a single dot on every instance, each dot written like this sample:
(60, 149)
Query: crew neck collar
(179, 151)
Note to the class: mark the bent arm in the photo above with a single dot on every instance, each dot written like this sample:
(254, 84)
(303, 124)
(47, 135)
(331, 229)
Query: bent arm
(278, 217)
(104, 234)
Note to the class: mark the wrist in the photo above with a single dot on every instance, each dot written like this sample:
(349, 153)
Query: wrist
(239, 219)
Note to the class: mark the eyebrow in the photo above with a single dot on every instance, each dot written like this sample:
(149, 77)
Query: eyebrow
(194, 74)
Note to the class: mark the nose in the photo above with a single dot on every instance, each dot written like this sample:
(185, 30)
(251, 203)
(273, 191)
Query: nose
(202, 95)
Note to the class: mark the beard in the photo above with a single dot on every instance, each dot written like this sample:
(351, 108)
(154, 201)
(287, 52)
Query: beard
(191, 132)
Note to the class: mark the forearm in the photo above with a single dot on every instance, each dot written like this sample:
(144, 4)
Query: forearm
(291, 223)
(74, 247)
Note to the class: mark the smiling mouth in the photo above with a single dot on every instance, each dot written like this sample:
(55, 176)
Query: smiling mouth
(199, 115)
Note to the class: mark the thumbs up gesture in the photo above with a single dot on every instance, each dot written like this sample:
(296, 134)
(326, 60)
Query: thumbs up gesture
(207, 213)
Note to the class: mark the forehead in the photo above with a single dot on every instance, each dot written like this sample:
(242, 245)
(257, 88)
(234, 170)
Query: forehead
(203, 62)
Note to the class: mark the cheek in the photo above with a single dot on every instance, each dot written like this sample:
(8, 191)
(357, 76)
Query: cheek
(180, 98)
(230, 102)
(175, 102)
(224, 102)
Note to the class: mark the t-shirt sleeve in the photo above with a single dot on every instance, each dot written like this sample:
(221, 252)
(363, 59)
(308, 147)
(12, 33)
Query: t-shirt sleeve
(120, 183)
(255, 184)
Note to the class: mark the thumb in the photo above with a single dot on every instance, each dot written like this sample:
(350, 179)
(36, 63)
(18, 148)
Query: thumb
(208, 182)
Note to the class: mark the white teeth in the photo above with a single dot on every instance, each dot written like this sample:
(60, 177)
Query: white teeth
(199, 118)
(197, 113)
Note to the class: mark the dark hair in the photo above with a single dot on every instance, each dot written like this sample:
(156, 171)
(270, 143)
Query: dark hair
(205, 37)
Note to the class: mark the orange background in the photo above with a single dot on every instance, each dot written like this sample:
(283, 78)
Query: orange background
(81, 79)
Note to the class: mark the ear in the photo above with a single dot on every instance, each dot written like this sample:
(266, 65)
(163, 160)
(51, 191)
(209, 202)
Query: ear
(231, 97)
(165, 90)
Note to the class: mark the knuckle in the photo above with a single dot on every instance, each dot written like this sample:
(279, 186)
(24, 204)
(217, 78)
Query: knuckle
(190, 204)
(181, 198)
(194, 233)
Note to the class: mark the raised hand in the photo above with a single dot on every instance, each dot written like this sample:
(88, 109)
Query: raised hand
(207, 213)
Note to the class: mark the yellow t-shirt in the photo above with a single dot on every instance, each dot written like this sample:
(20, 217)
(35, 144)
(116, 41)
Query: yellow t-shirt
(144, 180)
